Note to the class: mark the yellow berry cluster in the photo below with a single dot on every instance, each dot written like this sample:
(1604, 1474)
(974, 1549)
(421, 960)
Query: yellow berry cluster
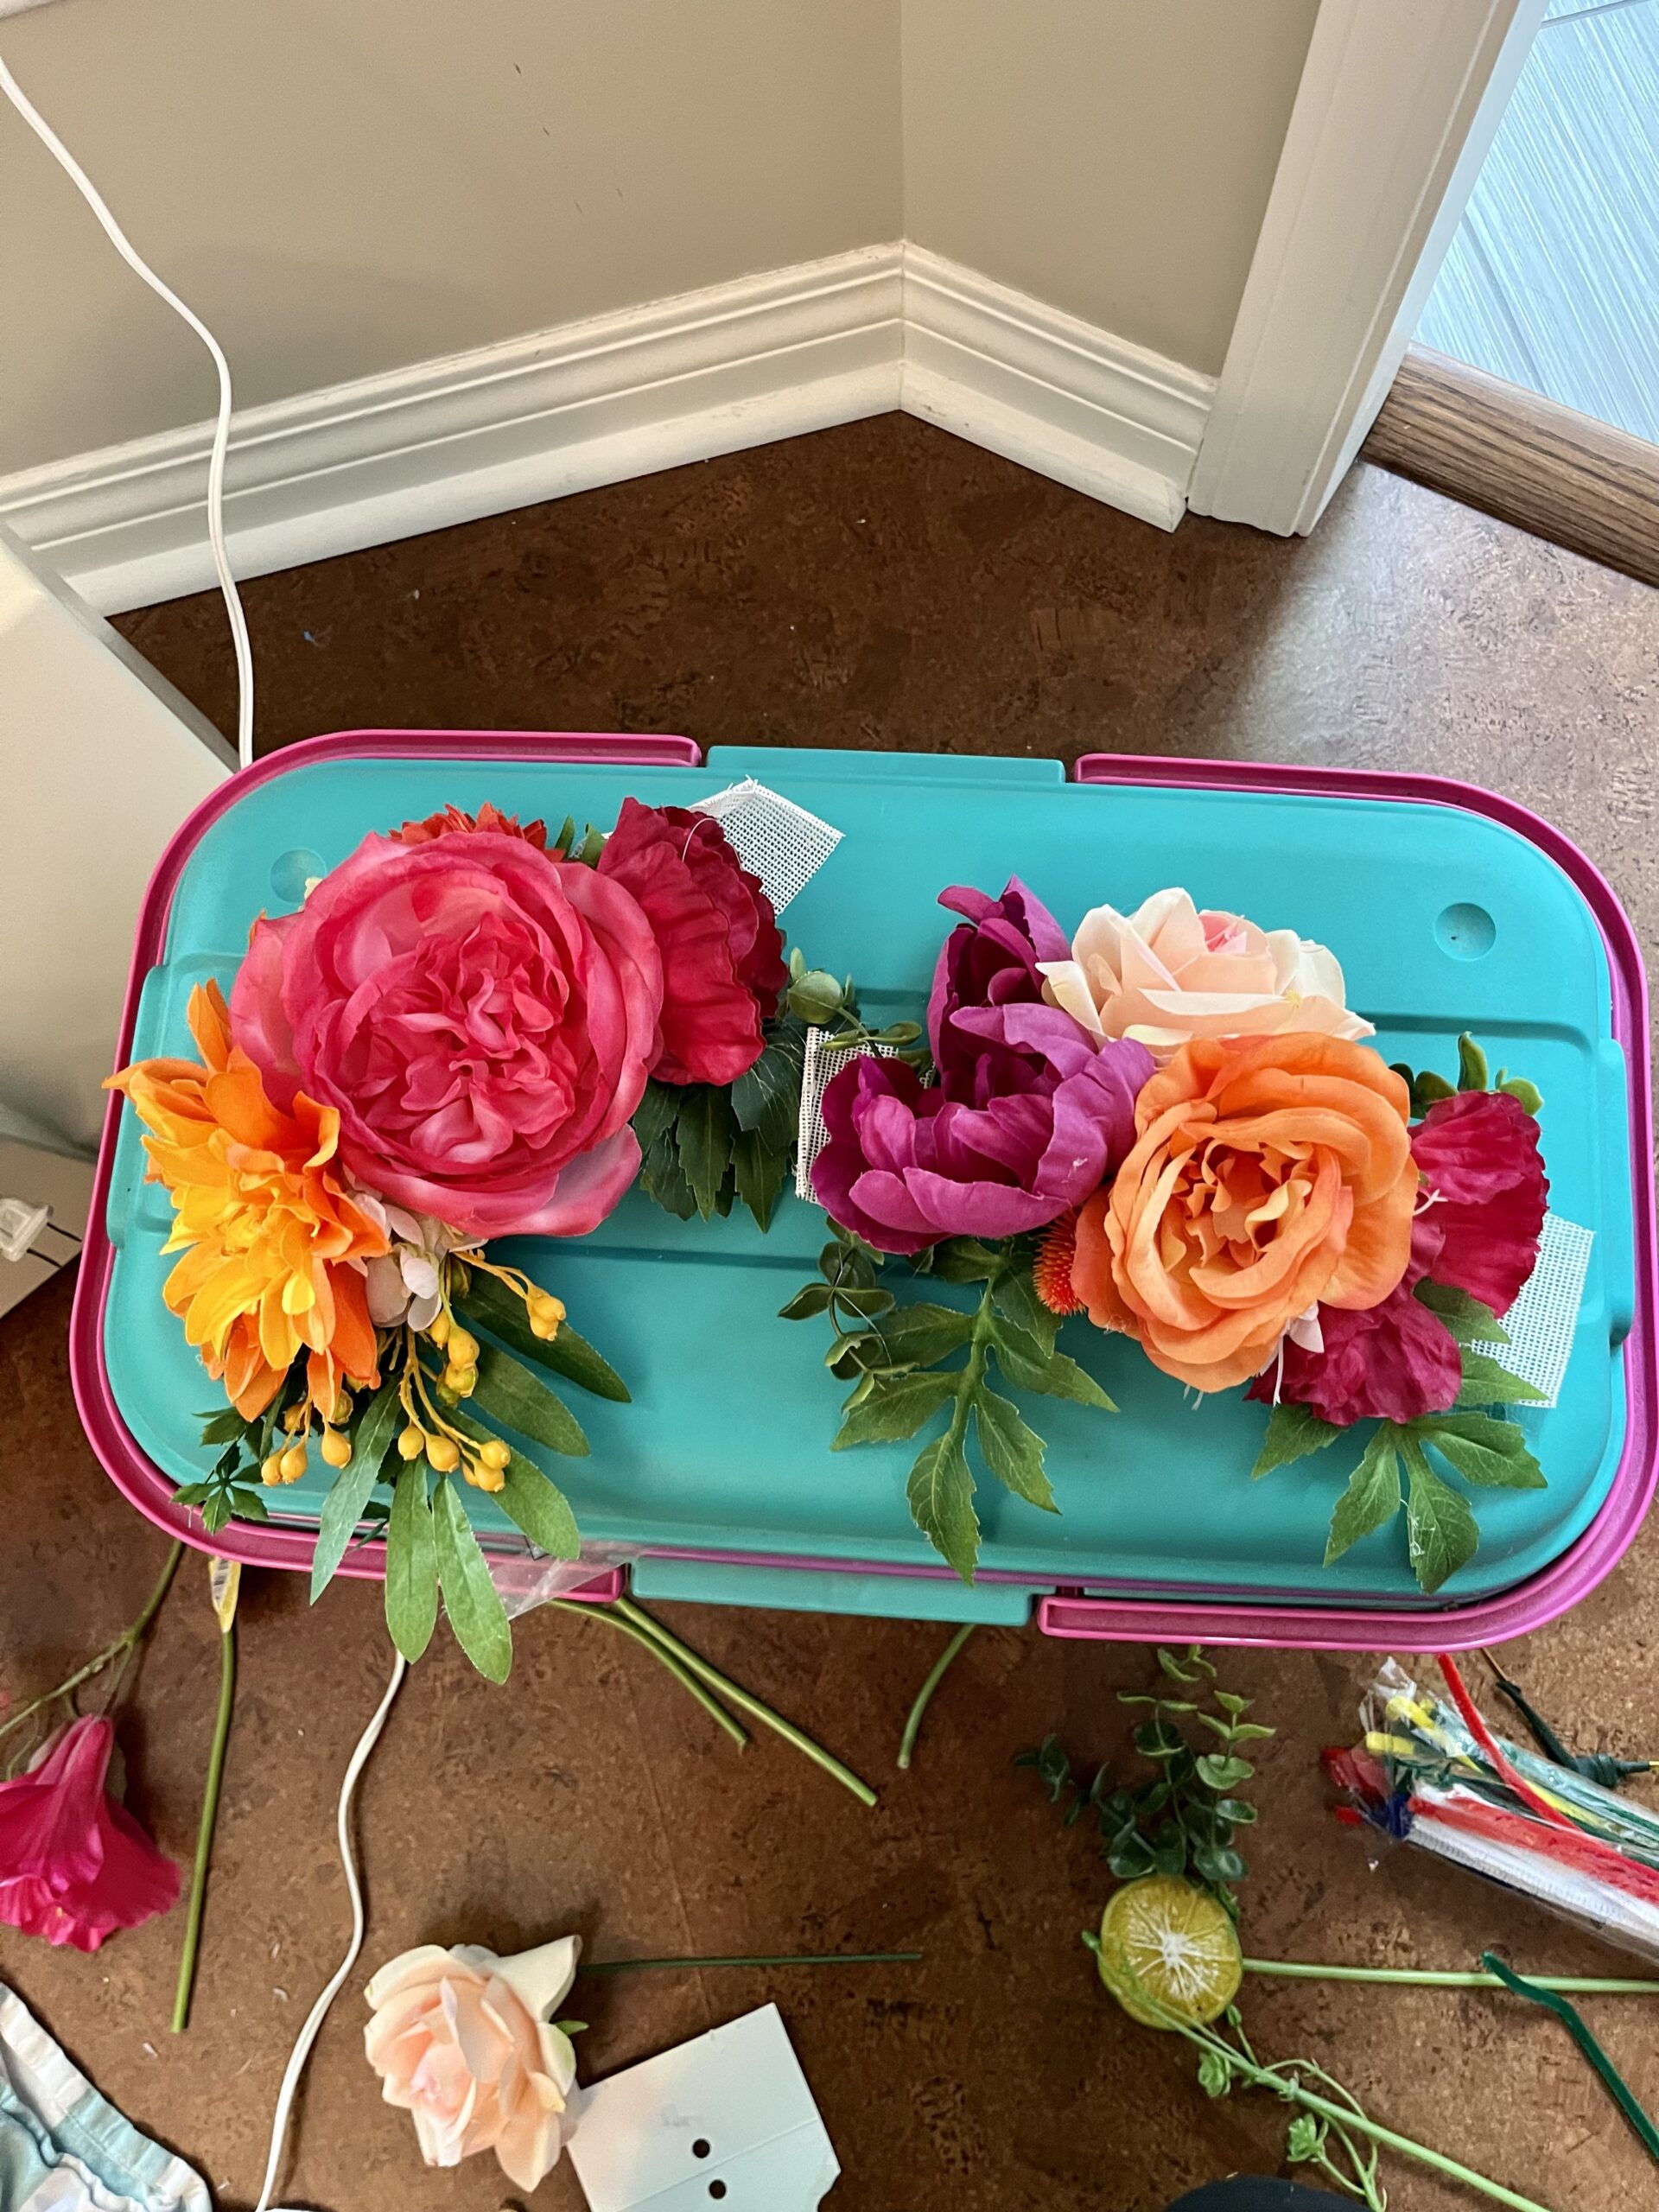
(287, 1465)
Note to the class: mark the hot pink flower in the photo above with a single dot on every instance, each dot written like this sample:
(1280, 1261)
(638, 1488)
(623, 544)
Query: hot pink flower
(1390, 1361)
(74, 1865)
(1485, 1192)
(722, 955)
(484, 1018)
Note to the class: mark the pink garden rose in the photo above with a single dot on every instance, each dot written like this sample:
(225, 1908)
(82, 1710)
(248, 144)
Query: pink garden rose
(484, 1017)
(723, 967)
(74, 1865)
(463, 2042)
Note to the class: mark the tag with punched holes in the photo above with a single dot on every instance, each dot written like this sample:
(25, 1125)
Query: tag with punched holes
(724, 2121)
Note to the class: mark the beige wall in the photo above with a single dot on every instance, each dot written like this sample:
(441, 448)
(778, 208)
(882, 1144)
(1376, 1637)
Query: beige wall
(1113, 157)
(340, 186)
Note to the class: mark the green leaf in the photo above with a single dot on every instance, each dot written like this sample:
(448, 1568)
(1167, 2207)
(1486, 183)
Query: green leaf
(894, 1406)
(760, 1170)
(767, 1098)
(1525, 1094)
(1304, 2141)
(1473, 1072)
(916, 1336)
(470, 1599)
(1168, 1848)
(1235, 1812)
(655, 1114)
(502, 1313)
(1013, 1452)
(509, 1393)
(1439, 1528)
(215, 1513)
(1129, 1855)
(193, 1493)
(1372, 1498)
(663, 1179)
(1486, 1384)
(1170, 1665)
(411, 1564)
(1052, 1374)
(1230, 1701)
(1483, 1449)
(1293, 1432)
(1015, 1296)
(1158, 1739)
(703, 1134)
(537, 1507)
(1215, 1864)
(941, 1495)
(808, 1302)
(372, 1439)
(1250, 1731)
(867, 1301)
(225, 1425)
(248, 1504)
(1215, 2075)
(965, 1259)
(1466, 1318)
(1221, 1774)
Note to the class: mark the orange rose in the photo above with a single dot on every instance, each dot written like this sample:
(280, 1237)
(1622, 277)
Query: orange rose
(1269, 1173)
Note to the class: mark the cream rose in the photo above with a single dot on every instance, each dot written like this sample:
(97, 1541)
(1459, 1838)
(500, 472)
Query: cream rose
(1167, 973)
(462, 2040)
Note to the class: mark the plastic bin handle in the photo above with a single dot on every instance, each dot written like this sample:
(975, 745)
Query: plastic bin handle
(816, 1589)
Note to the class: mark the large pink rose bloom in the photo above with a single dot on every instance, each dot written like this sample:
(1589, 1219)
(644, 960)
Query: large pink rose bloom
(484, 1017)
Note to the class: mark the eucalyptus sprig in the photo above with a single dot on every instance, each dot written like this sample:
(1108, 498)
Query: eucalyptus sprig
(1183, 1819)
(895, 1356)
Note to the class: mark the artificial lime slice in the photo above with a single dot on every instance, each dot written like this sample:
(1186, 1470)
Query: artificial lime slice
(1166, 1948)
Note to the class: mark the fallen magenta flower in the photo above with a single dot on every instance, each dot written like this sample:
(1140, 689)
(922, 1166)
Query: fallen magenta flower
(74, 1864)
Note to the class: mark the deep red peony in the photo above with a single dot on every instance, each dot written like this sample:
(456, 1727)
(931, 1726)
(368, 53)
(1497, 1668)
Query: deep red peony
(1391, 1362)
(74, 1865)
(1484, 1192)
(723, 969)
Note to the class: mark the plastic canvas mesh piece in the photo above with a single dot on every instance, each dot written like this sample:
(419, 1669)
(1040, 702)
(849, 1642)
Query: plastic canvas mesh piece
(1542, 1321)
(811, 1136)
(776, 840)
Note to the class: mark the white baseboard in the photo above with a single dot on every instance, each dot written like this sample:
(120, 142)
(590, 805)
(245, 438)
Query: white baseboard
(619, 395)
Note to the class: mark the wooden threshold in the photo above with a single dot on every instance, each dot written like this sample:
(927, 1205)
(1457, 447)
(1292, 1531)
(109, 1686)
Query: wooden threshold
(1559, 475)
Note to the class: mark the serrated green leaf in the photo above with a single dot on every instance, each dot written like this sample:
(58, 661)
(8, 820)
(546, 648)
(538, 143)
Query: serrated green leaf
(965, 1259)
(248, 1504)
(1465, 1318)
(1012, 1451)
(1015, 1296)
(1052, 1374)
(811, 1299)
(471, 1601)
(490, 1303)
(411, 1564)
(215, 1513)
(767, 1098)
(510, 1393)
(662, 1179)
(1372, 1498)
(655, 1114)
(941, 1495)
(893, 1407)
(703, 1135)
(1293, 1432)
(916, 1336)
(1487, 1384)
(1483, 1449)
(1440, 1529)
(371, 1438)
(760, 1171)
(193, 1493)
(1473, 1072)
(540, 1508)
(225, 1425)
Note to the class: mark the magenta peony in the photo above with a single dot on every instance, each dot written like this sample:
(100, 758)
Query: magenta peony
(74, 1865)
(1028, 1115)
(723, 969)
(482, 1015)
(1484, 1193)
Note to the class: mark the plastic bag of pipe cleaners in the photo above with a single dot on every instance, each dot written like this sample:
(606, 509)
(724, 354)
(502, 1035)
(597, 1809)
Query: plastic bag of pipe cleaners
(1429, 1772)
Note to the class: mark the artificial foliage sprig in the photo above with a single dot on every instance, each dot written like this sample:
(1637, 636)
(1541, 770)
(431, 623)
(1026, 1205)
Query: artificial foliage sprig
(1183, 1819)
(898, 1359)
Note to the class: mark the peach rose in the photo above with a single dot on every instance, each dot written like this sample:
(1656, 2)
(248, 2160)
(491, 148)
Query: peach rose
(1269, 1173)
(462, 2041)
(1167, 973)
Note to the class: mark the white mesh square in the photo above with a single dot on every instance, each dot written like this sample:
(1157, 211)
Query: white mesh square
(776, 840)
(816, 1070)
(1542, 1321)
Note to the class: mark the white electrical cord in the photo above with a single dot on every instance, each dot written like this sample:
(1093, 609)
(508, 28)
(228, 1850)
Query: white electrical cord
(319, 2012)
(89, 192)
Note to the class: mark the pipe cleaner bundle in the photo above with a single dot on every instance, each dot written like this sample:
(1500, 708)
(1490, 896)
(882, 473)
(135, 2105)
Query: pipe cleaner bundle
(1434, 1774)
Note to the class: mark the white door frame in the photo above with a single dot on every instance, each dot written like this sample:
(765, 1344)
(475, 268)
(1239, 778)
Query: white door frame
(1396, 112)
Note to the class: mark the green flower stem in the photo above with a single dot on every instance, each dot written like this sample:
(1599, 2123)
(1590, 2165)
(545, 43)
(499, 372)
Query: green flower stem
(205, 1830)
(682, 1675)
(924, 1696)
(740, 1697)
(121, 1650)
(807, 1958)
(1579, 1984)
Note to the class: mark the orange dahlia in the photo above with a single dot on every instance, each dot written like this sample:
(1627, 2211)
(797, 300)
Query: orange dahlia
(274, 1245)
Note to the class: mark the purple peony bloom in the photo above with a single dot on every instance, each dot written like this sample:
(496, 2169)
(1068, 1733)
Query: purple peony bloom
(1029, 1114)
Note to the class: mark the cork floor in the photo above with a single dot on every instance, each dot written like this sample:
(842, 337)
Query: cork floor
(881, 586)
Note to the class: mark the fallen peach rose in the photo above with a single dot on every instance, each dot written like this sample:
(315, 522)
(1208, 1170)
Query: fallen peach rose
(1269, 1173)
(462, 2041)
(1167, 973)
